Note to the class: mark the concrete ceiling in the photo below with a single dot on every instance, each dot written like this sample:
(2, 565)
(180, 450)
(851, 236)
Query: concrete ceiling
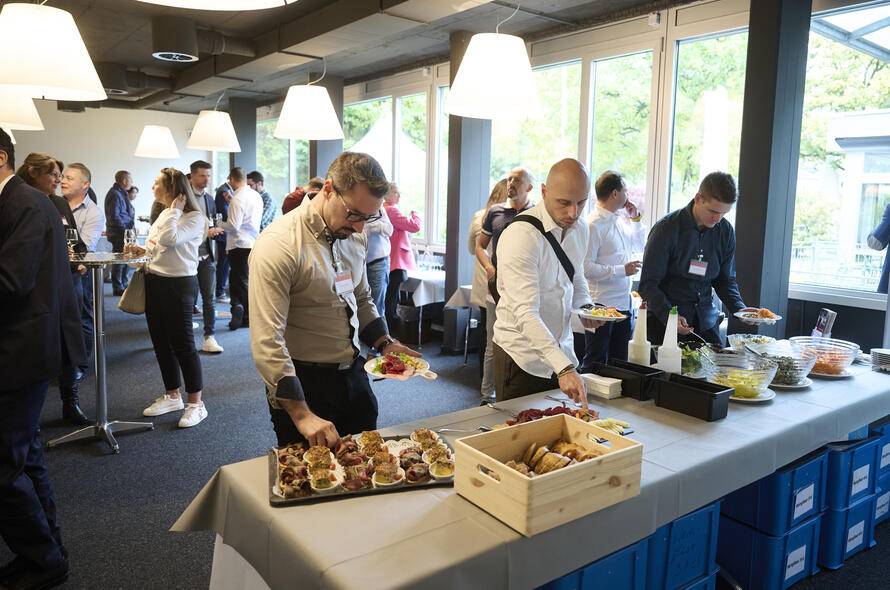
(360, 39)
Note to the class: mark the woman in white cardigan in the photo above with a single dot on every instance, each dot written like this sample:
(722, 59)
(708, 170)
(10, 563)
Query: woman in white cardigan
(171, 284)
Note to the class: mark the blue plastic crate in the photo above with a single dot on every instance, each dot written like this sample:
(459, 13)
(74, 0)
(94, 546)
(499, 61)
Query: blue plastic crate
(706, 583)
(622, 570)
(683, 550)
(758, 561)
(570, 581)
(779, 502)
(883, 449)
(882, 499)
(847, 532)
(859, 433)
(851, 471)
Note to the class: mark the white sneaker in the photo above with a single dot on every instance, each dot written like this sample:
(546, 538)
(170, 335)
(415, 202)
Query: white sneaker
(193, 414)
(194, 325)
(211, 345)
(163, 405)
(223, 299)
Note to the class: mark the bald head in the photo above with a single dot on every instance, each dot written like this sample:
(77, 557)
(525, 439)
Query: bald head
(566, 191)
(519, 184)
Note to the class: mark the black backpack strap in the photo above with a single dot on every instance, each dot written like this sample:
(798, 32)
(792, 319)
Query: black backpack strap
(557, 248)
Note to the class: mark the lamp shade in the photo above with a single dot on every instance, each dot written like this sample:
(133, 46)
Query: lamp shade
(50, 60)
(214, 132)
(308, 113)
(156, 141)
(220, 4)
(17, 111)
(494, 80)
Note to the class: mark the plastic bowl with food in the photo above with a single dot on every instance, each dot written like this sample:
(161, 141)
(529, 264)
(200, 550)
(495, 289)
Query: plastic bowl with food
(833, 356)
(748, 375)
(794, 363)
(738, 341)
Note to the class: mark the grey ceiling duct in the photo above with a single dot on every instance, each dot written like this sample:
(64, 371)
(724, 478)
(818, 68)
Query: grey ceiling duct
(174, 38)
(70, 106)
(113, 77)
(215, 43)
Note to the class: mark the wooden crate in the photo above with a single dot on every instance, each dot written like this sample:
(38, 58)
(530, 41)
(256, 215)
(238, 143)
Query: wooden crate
(536, 504)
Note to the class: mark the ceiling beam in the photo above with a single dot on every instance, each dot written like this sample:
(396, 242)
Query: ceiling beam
(871, 28)
(841, 36)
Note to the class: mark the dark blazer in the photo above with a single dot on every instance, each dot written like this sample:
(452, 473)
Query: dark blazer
(210, 203)
(882, 235)
(119, 212)
(42, 325)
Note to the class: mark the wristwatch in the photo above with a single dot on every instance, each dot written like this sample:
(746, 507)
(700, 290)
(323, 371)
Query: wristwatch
(386, 342)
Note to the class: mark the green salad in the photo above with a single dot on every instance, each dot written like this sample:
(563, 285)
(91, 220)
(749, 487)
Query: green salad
(691, 362)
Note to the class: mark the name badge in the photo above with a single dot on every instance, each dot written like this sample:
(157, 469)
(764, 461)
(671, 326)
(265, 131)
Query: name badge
(698, 267)
(343, 282)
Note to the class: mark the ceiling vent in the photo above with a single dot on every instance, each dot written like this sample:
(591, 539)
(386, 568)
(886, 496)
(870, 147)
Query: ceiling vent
(113, 77)
(174, 38)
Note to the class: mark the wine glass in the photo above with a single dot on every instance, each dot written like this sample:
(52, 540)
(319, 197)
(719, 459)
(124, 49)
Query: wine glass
(217, 218)
(129, 237)
(71, 236)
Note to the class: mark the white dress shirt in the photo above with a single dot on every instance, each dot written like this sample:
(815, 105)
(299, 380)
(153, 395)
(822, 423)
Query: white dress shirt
(90, 220)
(608, 249)
(245, 214)
(173, 242)
(378, 234)
(537, 297)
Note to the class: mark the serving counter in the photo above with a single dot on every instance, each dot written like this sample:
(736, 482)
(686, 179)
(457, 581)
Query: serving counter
(436, 539)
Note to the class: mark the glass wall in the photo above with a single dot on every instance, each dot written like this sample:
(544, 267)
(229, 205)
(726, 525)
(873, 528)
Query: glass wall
(273, 160)
(441, 188)
(367, 127)
(411, 155)
(221, 169)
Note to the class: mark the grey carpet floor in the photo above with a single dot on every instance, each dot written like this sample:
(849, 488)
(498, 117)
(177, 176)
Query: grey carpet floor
(115, 510)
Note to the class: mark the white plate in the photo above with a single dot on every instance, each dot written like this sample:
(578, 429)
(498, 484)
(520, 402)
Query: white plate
(585, 313)
(763, 396)
(803, 384)
(843, 375)
(741, 315)
(423, 371)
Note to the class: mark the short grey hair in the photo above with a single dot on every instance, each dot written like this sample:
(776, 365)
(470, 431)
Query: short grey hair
(351, 169)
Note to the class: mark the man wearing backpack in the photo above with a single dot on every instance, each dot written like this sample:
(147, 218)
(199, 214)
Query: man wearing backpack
(540, 278)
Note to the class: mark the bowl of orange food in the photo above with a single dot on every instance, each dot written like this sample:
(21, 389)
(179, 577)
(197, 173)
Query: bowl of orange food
(833, 356)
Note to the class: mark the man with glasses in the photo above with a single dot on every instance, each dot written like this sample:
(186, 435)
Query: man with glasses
(242, 228)
(312, 309)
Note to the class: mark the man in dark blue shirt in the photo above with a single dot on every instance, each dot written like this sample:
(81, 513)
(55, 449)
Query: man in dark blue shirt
(119, 217)
(690, 252)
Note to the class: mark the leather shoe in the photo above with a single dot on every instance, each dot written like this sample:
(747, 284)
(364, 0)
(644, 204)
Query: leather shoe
(72, 413)
(37, 579)
(118, 292)
(237, 317)
(13, 568)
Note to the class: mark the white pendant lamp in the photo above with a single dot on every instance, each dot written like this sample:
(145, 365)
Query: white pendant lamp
(308, 113)
(156, 141)
(221, 4)
(17, 111)
(214, 132)
(50, 59)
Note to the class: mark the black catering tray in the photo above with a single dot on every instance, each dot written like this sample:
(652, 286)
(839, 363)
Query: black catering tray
(637, 381)
(693, 397)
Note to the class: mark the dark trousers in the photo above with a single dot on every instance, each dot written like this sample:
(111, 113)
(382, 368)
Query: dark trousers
(222, 268)
(238, 277)
(86, 310)
(207, 286)
(608, 342)
(655, 332)
(396, 278)
(68, 372)
(168, 311)
(120, 273)
(342, 397)
(28, 521)
(510, 381)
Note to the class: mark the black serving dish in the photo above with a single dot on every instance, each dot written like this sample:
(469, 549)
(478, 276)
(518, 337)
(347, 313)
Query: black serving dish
(693, 397)
(637, 381)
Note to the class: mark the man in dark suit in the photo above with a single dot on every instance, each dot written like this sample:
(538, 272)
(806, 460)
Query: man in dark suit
(119, 217)
(43, 333)
(223, 195)
(199, 177)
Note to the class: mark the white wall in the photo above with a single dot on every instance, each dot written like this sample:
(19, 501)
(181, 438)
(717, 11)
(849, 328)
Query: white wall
(104, 139)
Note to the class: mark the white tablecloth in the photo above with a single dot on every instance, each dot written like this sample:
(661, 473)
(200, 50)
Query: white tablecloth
(427, 286)
(461, 297)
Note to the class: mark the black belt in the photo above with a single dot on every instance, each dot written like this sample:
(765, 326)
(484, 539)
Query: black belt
(376, 260)
(344, 366)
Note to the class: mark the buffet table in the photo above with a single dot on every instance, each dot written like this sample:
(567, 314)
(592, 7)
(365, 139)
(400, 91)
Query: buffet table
(436, 539)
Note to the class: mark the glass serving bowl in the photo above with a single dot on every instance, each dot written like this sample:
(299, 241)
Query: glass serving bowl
(737, 342)
(833, 356)
(748, 374)
(794, 362)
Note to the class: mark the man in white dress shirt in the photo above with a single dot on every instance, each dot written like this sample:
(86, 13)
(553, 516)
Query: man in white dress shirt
(609, 266)
(242, 227)
(532, 335)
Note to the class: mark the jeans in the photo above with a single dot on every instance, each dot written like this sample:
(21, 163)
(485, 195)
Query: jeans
(120, 273)
(168, 312)
(488, 359)
(86, 311)
(207, 286)
(222, 268)
(238, 277)
(608, 342)
(396, 278)
(378, 279)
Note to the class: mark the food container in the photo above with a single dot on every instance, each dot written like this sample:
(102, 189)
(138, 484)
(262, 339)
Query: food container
(833, 357)
(737, 342)
(794, 363)
(747, 374)
(531, 505)
(693, 397)
(636, 380)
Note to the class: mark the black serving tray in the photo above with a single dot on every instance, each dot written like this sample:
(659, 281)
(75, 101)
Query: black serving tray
(693, 397)
(277, 501)
(637, 381)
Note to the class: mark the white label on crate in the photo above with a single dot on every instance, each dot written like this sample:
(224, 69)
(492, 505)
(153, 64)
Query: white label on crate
(803, 501)
(855, 536)
(797, 560)
(860, 480)
(885, 455)
(883, 505)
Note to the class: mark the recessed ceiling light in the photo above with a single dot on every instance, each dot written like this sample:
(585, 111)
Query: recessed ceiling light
(174, 56)
(221, 4)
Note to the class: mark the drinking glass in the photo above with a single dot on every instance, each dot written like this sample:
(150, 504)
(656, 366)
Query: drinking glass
(71, 236)
(129, 237)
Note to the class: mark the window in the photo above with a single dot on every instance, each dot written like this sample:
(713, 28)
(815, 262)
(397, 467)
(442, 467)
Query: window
(273, 160)
(619, 140)
(843, 180)
(537, 144)
(411, 142)
(299, 163)
(708, 97)
(221, 168)
(441, 188)
(367, 127)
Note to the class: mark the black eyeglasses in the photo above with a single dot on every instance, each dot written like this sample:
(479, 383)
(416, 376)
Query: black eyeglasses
(354, 216)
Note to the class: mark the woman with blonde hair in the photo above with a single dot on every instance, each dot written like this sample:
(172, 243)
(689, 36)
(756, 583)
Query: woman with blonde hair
(171, 285)
(479, 296)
